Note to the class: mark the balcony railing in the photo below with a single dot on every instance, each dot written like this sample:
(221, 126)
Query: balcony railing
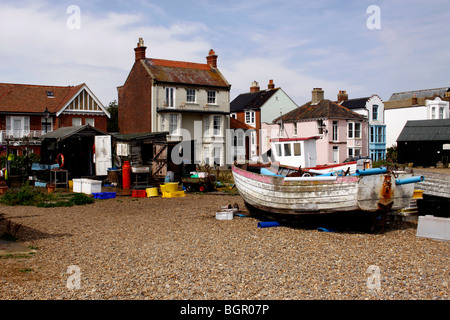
(17, 135)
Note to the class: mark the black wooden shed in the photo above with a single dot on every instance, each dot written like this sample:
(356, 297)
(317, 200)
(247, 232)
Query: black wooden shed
(424, 142)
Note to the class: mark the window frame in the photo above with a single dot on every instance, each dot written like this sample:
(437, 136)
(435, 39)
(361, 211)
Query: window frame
(211, 97)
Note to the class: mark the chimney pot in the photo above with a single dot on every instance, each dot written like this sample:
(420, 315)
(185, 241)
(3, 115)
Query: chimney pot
(271, 85)
(211, 59)
(342, 96)
(254, 87)
(317, 95)
(139, 51)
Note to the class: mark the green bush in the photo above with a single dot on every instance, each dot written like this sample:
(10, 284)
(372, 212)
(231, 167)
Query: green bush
(29, 196)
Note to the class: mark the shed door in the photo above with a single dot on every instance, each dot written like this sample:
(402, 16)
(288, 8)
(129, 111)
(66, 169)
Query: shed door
(103, 155)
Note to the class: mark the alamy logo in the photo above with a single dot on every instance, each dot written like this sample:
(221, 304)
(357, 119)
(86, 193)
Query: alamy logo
(74, 20)
(74, 280)
(374, 20)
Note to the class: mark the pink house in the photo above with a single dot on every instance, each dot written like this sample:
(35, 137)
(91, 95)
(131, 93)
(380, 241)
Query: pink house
(343, 133)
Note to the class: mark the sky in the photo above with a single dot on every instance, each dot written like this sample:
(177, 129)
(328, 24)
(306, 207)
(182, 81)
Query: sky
(401, 45)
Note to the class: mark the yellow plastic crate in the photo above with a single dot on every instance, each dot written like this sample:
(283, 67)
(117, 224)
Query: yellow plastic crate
(173, 194)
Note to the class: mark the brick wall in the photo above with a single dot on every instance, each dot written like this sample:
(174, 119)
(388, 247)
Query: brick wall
(135, 101)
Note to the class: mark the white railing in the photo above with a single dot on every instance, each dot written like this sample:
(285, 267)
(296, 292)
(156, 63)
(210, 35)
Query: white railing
(14, 135)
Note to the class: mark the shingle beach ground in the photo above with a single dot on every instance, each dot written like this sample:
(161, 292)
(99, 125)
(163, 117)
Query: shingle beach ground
(158, 248)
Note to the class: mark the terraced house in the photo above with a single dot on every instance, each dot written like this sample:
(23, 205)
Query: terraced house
(185, 99)
(29, 111)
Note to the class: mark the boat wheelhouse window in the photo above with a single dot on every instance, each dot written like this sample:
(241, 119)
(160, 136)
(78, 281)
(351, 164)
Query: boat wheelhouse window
(287, 149)
(279, 152)
(297, 149)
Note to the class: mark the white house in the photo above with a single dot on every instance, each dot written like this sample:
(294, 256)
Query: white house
(414, 105)
(373, 109)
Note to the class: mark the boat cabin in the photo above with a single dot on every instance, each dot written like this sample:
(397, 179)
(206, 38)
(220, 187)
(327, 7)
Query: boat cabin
(295, 152)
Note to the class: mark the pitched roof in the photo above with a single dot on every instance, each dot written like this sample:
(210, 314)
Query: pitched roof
(66, 132)
(236, 124)
(325, 109)
(181, 72)
(404, 99)
(33, 98)
(425, 93)
(251, 100)
(425, 130)
(355, 103)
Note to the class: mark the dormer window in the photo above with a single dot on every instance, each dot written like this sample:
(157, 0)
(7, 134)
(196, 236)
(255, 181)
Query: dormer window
(50, 94)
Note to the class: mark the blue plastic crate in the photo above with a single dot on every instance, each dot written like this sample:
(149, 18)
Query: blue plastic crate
(104, 195)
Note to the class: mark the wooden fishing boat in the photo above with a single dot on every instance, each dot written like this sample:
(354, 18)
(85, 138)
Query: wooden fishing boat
(368, 190)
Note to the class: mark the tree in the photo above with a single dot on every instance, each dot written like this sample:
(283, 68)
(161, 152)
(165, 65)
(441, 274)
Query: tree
(113, 122)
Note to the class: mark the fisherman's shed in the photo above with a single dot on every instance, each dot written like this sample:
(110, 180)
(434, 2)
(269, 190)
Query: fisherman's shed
(83, 151)
(152, 155)
(425, 142)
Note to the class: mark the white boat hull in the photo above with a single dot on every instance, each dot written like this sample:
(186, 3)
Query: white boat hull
(321, 194)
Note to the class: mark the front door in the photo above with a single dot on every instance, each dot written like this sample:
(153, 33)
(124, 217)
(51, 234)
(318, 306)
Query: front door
(103, 155)
(335, 154)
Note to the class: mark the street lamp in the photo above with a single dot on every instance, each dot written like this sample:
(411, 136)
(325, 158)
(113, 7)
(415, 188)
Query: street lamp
(46, 115)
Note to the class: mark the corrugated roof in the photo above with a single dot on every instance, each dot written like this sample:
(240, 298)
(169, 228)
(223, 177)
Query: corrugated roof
(185, 73)
(325, 109)
(34, 98)
(425, 130)
(251, 100)
(66, 132)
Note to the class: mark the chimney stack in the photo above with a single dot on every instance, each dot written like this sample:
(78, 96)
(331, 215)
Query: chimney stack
(414, 100)
(139, 51)
(342, 96)
(211, 59)
(270, 85)
(254, 87)
(317, 95)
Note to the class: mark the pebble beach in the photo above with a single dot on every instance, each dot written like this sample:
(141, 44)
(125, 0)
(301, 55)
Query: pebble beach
(175, 249)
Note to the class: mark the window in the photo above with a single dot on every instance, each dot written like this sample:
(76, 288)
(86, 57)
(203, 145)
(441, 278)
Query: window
(287, 149)
(357, 130)
(206, 155)
(50, 94)
(354, 130)
(173, 124)
(297, 149)
(377, 134)
(76, 122)
(335, 131)
(170, 97)
(250, 117)
(217, 125)
(90, 121)
(190, 95)
(233, 115)
(217, 152)
(295, 129)
(433, 113)
(206, 124)
(320, 126)
(211, 97)
(163, 122)
(46, 126)
(375, 112)
(279, 152)
(17, 126)
(441, 113)
(354, 152)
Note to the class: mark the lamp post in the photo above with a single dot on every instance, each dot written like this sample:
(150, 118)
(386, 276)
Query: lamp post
(46, 115)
